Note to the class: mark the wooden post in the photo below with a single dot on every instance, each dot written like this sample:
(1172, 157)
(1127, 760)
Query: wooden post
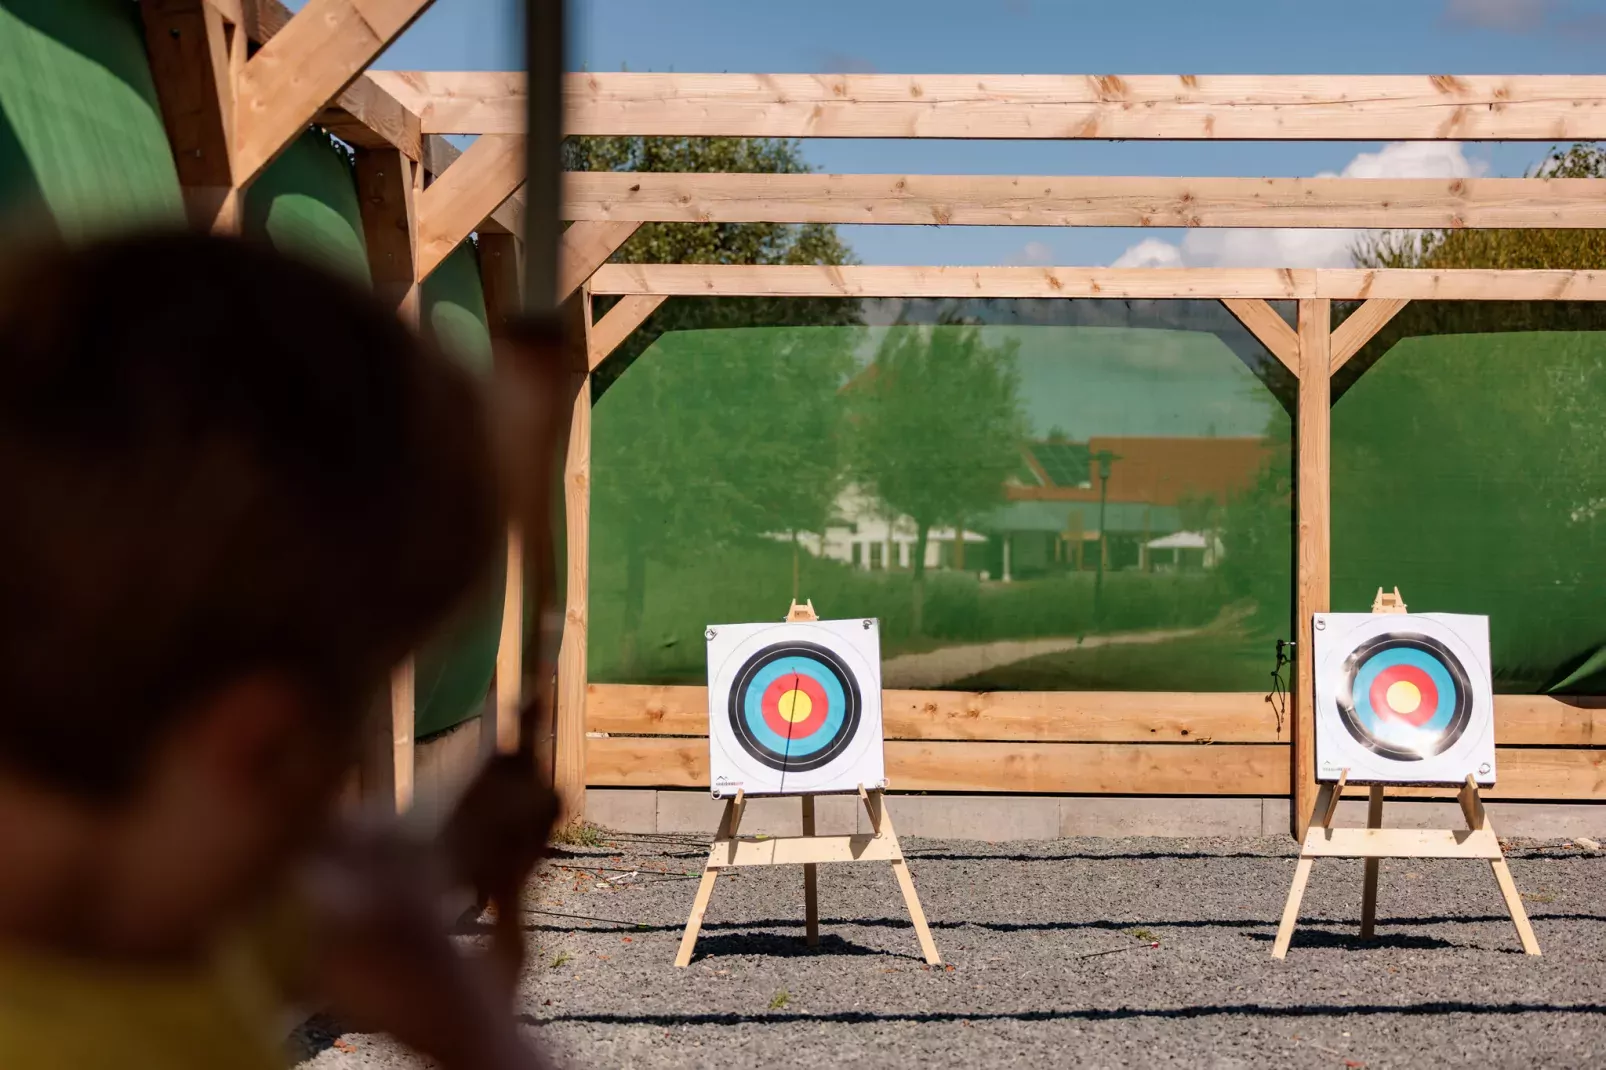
(811, 882)
(1374, 820)
(569, 764)
(500, 277)
(1313, 500)
(387, 184)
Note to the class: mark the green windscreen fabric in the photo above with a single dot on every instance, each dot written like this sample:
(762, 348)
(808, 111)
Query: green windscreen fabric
(1030, 495)
(454, 672)
(1469, 469)
(82, 147)
(306, 205)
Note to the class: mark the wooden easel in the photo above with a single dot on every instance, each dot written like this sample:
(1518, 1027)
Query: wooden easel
(1374, 843)
(731, 850)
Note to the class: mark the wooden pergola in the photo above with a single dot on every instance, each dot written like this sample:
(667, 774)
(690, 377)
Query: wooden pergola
(231, 106)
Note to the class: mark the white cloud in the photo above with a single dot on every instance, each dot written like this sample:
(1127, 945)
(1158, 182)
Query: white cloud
(1210, 247)
(1033, 253)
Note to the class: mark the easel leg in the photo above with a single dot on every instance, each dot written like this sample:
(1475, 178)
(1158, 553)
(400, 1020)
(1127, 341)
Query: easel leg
(1296, 893)
(705, 889)
(882, 821)
(1374, 820)
(1326, 805)
(811, 881)
(1478, 818)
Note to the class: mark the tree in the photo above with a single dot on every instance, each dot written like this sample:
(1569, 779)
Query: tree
(717, 436)
(936, 428)
(1506, 511)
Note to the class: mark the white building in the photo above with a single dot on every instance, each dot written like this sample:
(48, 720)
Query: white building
(864, 538)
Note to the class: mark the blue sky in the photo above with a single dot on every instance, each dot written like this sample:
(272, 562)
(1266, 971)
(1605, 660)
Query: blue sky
(1064, 36)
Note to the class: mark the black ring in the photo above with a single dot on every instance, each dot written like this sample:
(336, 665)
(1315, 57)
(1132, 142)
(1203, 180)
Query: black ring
(1412, 641)
(738, 697)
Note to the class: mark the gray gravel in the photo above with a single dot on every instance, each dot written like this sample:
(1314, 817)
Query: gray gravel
(1021, 925)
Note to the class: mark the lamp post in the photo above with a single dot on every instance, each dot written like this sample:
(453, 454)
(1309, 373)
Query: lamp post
(1105, 458)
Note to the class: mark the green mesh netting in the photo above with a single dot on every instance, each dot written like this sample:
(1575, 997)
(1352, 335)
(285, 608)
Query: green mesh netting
(938, 466)
(305, 204)
(454, 672)
(1469, 468)
(82, 147)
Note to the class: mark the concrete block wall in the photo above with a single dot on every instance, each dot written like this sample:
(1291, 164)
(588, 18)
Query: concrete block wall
(1000, 818)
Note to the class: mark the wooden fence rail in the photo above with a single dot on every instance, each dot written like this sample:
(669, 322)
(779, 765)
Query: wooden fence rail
(1118, 743)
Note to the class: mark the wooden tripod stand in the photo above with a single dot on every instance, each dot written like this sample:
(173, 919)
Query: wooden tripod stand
(881, 845)
(1374, 843)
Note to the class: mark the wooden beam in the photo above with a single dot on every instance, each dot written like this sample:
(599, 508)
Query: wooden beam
(585, 248)
(438, 154)
(1313, 549)
(1528, 721)
(363, 115)
(569, 769)
(810, 280)
(1266, 324)
(500, 277)
(305, 66)
(1401, 843)
(194, 55)
(1184, 107)
(387, 188)
(1084, 200)
(1526, 773)
(622, 319)
(1033, 768)
(1360, 326)
(452, 206)
(791, 850)
(1037, 716)
(387, 192)
(1271, 284)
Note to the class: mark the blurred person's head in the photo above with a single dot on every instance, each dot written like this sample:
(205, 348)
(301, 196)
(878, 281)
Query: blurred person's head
(236, 493)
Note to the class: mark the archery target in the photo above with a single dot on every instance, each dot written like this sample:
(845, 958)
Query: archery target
(1403, 698)
(794, 708)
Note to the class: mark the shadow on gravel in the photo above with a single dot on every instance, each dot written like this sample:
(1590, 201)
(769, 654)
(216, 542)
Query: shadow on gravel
(1253, 1010)
(778, 945)
(1267, 924)
(1308, 937)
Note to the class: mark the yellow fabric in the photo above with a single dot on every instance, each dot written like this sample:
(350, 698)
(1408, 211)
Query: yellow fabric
(64, 1014)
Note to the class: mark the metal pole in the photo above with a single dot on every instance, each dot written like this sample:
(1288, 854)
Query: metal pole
(1098, 580)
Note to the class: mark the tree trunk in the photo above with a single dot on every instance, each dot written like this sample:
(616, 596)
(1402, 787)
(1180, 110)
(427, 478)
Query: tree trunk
(917, 620)
(635, 605)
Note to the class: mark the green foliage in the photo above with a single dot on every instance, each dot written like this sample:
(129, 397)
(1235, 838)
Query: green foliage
(937, 428)
(773, 428)
(1503, 249)
(780, 1000)
(1471, 464)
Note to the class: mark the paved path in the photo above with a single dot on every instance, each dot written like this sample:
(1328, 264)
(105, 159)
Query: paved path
(1023, 928)
(938, 668)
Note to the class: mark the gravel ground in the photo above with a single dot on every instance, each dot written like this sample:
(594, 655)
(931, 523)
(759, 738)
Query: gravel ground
(1021, 927)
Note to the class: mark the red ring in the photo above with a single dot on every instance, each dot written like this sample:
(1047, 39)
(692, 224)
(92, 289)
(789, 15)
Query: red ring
(1378, 693)
(770, 704)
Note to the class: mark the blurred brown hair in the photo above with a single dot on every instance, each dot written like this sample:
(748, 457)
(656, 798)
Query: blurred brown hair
(215, 461)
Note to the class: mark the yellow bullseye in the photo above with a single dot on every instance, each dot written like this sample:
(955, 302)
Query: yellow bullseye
(795, 706)
(1404, 696)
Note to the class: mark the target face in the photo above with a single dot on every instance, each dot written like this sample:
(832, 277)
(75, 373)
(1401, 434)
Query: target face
(794, 707)
(1404, 697)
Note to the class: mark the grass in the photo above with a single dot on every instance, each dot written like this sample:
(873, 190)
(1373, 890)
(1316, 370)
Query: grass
(561, 959)
(780, 1000)
(1141, 934)
(579, 834)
